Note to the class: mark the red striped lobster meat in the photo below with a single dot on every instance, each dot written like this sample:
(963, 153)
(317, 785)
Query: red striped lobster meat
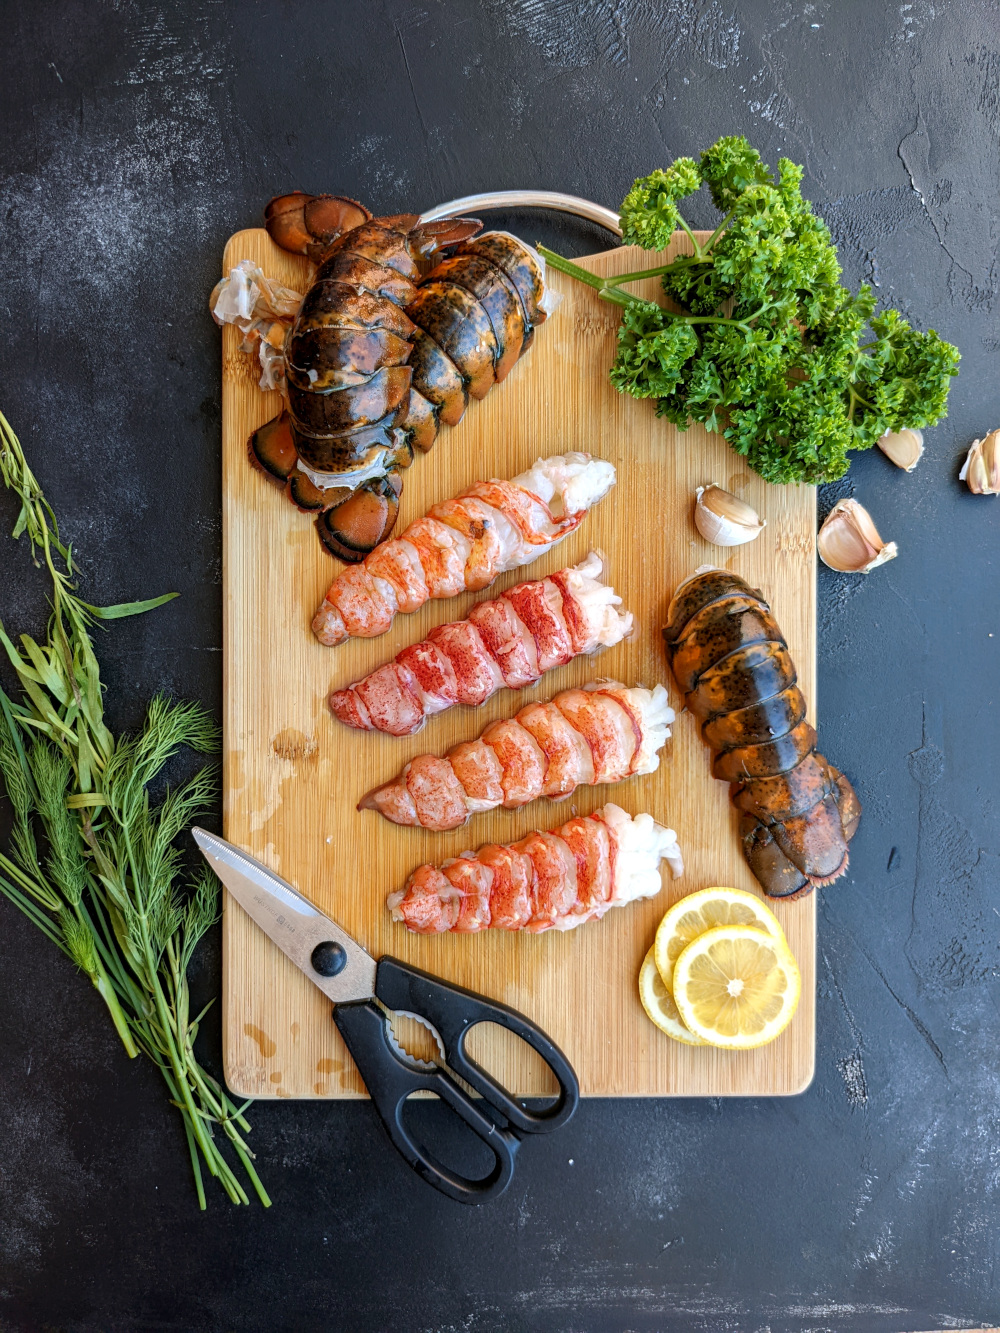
(463, 544)
(547, 881)
(602, 733)
(509, 641)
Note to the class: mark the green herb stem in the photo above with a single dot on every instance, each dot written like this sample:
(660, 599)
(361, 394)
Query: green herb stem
(716, 235)
(698, 252)
(607, 289)
(107, 893)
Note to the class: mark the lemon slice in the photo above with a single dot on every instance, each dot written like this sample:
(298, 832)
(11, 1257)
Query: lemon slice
(659, 1004)
(736, 987)
(698, 912)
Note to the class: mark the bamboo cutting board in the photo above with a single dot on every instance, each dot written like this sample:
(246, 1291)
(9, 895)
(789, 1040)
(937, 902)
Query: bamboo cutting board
(292, 775)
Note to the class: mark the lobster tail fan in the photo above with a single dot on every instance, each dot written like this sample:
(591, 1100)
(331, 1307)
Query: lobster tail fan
(770, 865)
(271, 448)
(429, 238)
(352, 529)
(306, 224)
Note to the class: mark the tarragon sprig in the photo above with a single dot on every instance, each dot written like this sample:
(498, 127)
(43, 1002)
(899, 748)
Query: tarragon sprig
(93, 860)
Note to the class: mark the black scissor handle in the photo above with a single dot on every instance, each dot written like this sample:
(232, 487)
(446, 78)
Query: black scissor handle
(391, 1079)
(454, 1011)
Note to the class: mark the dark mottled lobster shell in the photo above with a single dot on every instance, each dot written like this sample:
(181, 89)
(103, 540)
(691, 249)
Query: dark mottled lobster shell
(387, 347)
(730, 661)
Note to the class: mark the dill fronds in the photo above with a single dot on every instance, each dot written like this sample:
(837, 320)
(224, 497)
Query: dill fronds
(109, 887)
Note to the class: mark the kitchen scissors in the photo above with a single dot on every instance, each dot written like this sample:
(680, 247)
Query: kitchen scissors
(365, 991)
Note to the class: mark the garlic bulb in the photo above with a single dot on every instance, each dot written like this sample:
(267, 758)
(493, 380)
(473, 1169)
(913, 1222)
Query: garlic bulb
(904, 447)
(981, 469)
(724, 520)
(849, 542)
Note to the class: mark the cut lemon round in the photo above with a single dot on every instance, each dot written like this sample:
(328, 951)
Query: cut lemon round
(736, 987)
(659, 1004)
(701, 911)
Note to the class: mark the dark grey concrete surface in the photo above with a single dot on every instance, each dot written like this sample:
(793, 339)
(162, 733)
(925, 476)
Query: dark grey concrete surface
(134, 137)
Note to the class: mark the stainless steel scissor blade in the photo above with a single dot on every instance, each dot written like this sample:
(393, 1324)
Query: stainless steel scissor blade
(329, 957)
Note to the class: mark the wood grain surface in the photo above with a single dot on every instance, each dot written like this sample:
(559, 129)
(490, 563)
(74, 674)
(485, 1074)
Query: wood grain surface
(292, 775)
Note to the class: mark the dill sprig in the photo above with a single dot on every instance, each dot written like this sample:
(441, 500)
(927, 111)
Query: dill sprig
(92, 859)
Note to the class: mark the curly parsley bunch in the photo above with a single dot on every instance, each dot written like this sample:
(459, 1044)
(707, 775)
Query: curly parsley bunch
(760, 340)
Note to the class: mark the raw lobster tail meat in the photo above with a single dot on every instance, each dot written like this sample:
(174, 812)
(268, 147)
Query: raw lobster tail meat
(602, 733)
(509, 641)
(464, 544)
(732, 664)
(385, 348)
(547, 881)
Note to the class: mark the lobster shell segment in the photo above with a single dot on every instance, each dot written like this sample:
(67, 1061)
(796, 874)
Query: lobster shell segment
(461, 328)
(730, 659)
(498, 297)
(349, 355)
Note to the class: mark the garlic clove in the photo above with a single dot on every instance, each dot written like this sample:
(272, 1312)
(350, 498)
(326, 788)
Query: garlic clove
(904, 447)
(981, 469)
(723, 519)
(849, 541)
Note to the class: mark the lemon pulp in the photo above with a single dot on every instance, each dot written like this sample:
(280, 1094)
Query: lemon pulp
(736, 986)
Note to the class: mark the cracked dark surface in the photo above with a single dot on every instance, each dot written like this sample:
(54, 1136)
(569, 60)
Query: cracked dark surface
(136, 137)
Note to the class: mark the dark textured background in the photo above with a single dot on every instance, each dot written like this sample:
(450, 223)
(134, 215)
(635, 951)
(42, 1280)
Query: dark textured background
(134, 138)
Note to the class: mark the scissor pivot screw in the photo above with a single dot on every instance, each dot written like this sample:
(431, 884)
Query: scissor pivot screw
(329, 958)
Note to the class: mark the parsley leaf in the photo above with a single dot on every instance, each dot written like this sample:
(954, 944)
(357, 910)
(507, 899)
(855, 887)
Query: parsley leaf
(761, 341)
(649, 215)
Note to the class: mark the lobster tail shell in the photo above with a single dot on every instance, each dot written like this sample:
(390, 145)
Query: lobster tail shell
(793, 856)
(520, 264)
(497, 296)
(353, 528)
(731, 661)
(430, 238)
(348, 354)
(476, 313)
(386, 348)
(698, 591)
(461, 328)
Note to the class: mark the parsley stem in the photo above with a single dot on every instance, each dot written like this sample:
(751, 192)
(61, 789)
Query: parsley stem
(637, 276)
(718, 232)
(682, 261)
(608, 288)
(698, 252)
(857, 398)
(567, 266)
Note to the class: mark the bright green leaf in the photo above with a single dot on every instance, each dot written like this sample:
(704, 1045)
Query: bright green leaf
(129, 608)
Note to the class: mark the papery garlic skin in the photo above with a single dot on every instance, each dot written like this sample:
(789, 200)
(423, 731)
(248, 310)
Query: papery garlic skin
(849, 541)
(724, 520)
(981, 469)
(903, 447)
